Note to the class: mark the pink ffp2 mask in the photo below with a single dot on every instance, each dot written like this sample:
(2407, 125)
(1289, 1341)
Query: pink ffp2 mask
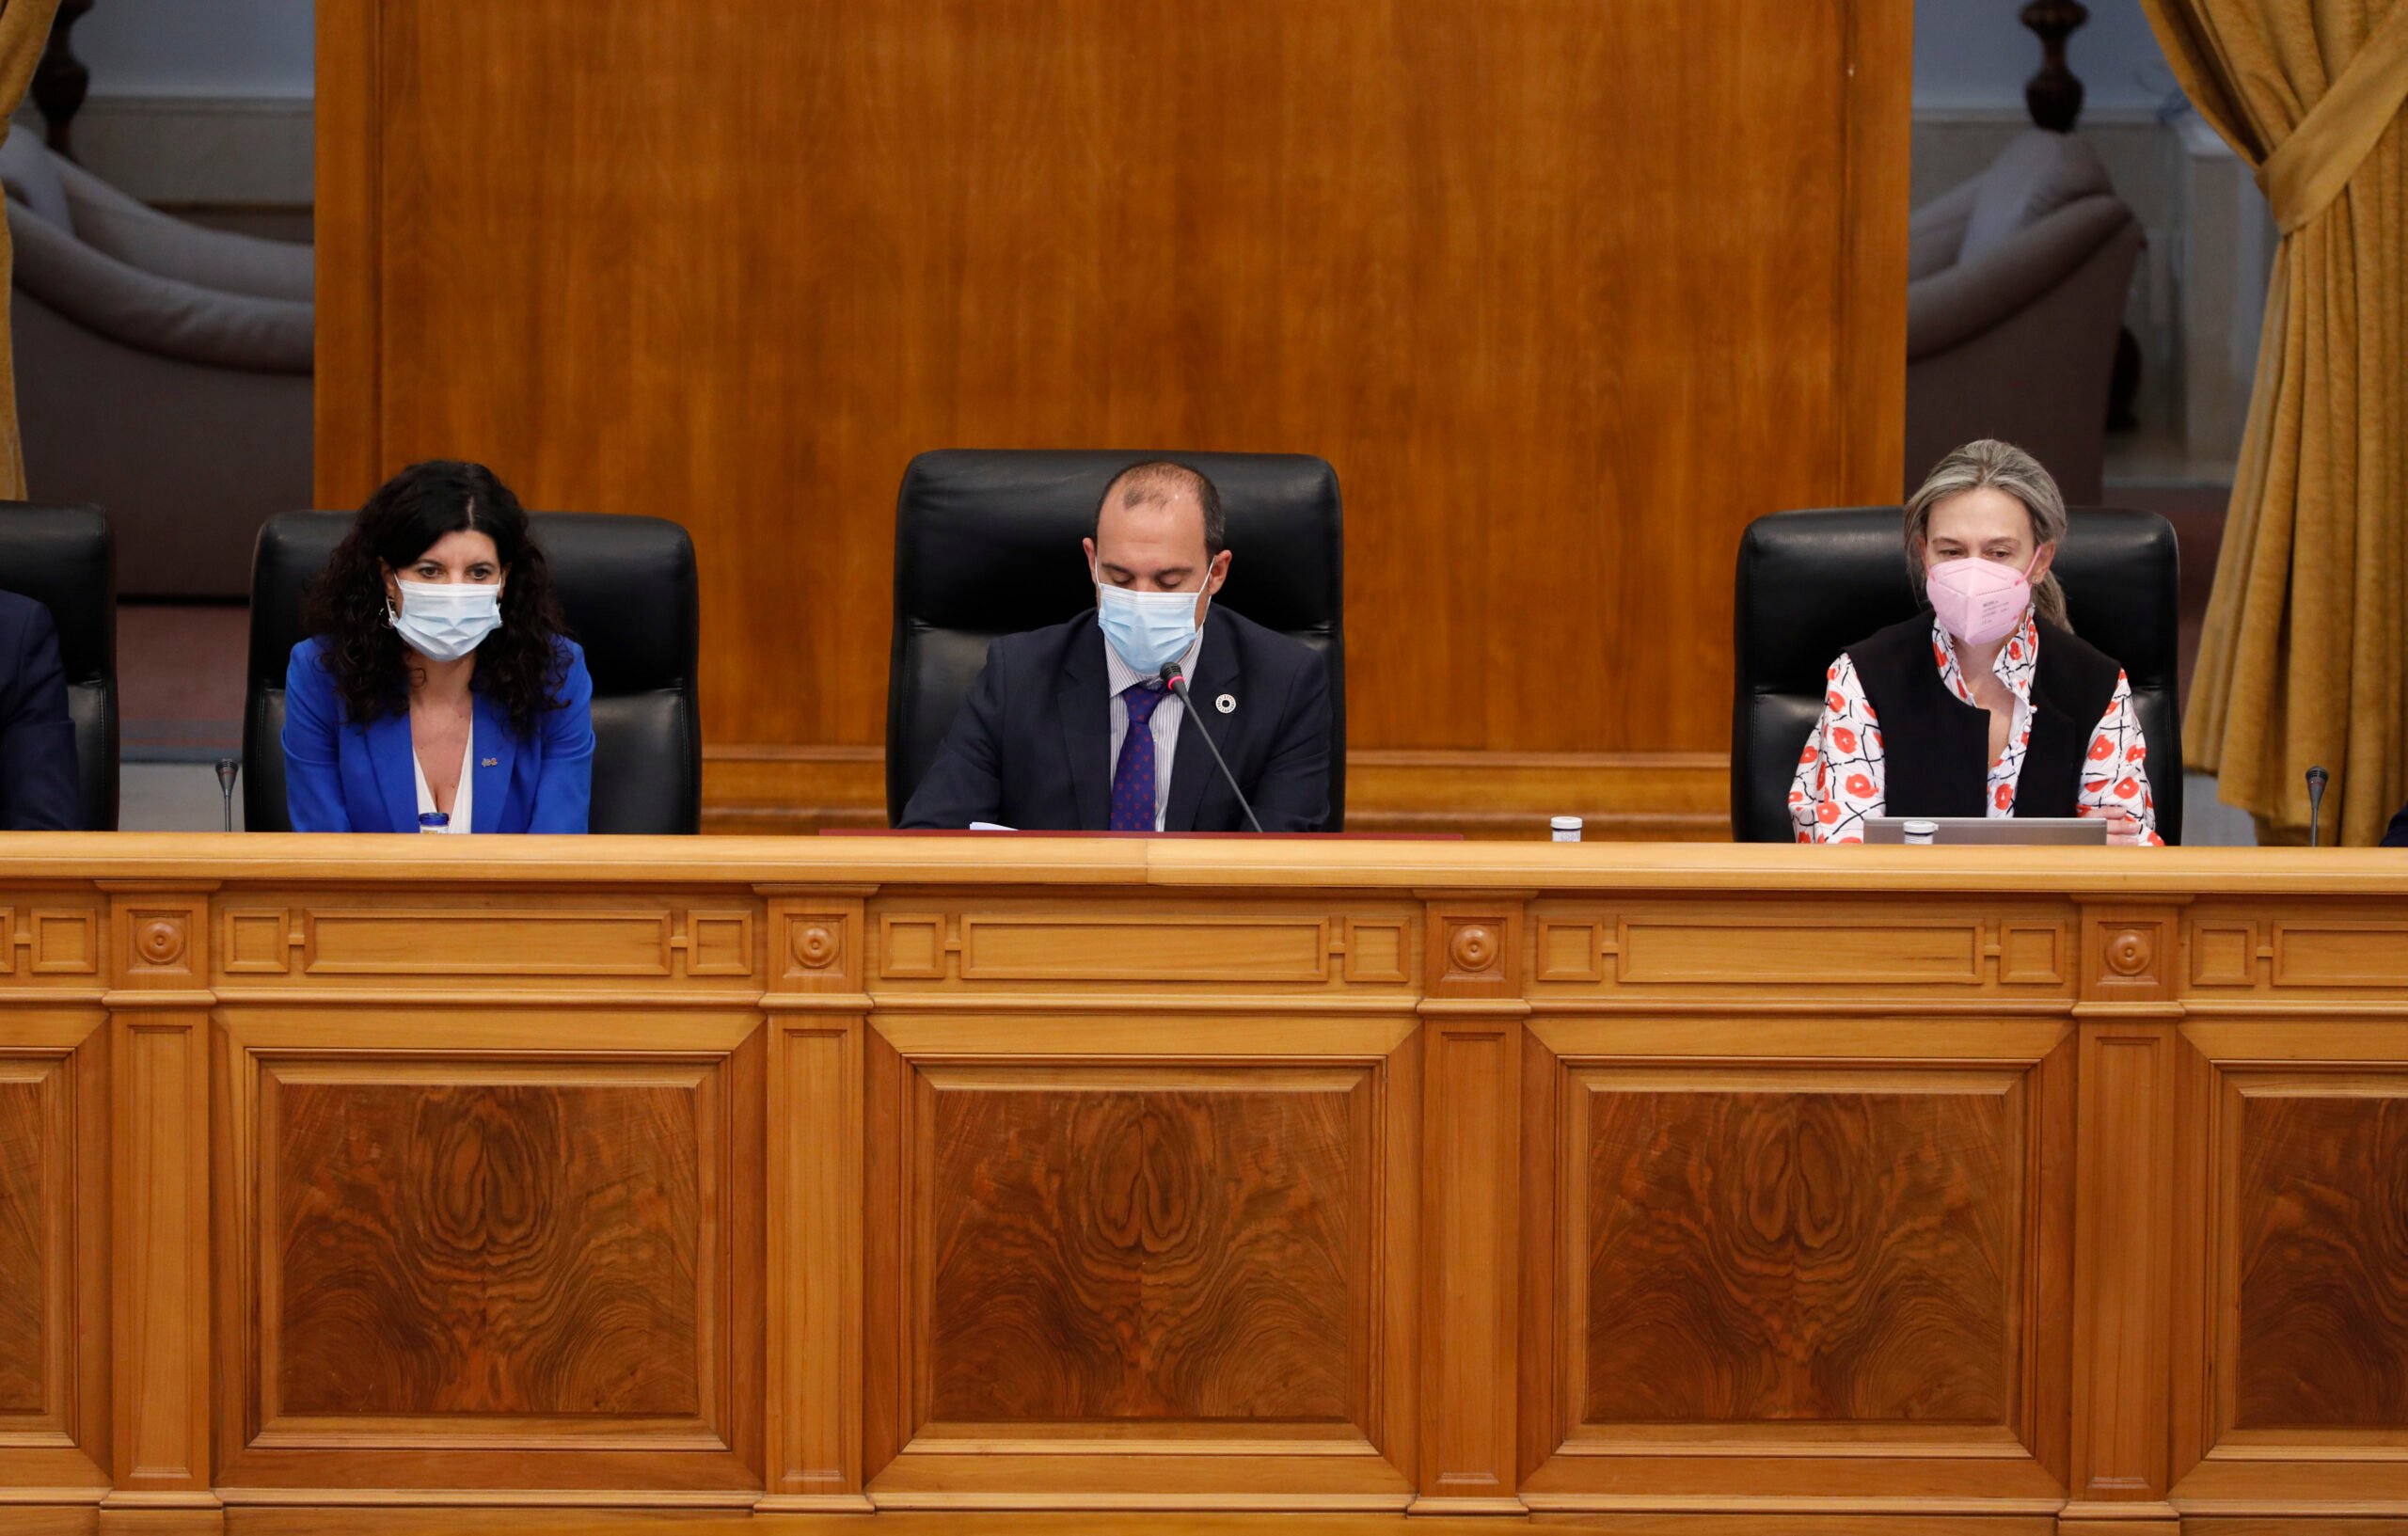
(1978, 601)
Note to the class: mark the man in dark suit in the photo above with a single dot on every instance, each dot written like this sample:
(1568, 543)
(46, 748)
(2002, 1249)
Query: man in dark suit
(37, 790)
(2396, 836)
(1070, 727)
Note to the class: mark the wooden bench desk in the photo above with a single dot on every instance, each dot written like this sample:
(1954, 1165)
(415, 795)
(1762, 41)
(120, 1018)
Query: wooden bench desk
(2015, 1190)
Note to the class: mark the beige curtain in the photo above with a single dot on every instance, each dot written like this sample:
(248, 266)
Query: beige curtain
(2303, 654)
(24, 30)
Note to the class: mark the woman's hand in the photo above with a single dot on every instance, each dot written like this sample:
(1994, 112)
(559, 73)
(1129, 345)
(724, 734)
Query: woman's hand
(2122, 826)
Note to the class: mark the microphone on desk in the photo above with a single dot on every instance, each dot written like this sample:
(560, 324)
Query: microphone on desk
(226, 768)
(1177, 683)
(2316, 781)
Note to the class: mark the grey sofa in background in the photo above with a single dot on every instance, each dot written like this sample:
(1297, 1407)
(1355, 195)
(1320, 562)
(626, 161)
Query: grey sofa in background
(163, 373)
(2016, 291)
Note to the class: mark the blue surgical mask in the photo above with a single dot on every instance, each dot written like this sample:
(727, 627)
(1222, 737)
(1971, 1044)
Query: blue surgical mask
(1146, 629)
(444, 621)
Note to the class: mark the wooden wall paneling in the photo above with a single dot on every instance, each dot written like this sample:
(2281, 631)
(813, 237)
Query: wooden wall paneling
(2124, 1201)
(817, 1193)
(1144, 1225)
(1556, 384)
(1713, 1178)
(2292, 1119)
(1472, 1013)
(54, 1248)
(349, 233)
(492, 1241)
(158, 966)
(1142, 1283)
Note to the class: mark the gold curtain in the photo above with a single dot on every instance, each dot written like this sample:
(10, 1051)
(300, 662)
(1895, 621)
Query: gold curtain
(2303, 654)
(24, 31)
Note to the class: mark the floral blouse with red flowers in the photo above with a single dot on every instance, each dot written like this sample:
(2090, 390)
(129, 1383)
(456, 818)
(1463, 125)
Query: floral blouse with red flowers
(1840, 779)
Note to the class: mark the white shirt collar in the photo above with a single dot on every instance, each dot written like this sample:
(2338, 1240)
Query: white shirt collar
(1119, 675)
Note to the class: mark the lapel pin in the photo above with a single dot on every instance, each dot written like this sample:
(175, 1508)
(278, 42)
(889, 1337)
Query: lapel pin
(1226, 704)
(488, 762)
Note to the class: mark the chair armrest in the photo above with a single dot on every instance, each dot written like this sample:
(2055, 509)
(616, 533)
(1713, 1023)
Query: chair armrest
(1972, 297)
(159, 315)
(148, 241)
(1935, 231)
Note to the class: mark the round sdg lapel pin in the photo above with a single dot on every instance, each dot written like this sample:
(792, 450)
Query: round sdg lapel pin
(1226, 704)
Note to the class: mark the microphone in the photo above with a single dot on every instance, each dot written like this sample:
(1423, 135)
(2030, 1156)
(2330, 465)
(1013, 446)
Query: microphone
(1178, 685)
(2316, 782)
(226, 768)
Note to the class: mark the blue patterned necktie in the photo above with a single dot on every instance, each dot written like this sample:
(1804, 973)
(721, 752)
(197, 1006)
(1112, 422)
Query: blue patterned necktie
(1133, 777)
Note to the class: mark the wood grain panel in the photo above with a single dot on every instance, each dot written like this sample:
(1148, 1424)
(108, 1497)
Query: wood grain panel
(1545, 270)
(400, 942)
(2321, 1336)
(1762, 1256)
(515, 1248)
(1124, 1253)
(26, 1242)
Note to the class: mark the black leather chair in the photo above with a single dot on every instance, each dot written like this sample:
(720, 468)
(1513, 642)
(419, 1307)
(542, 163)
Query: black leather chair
(64, 558)
(628, 587)
(986, 544)
(1812, 583)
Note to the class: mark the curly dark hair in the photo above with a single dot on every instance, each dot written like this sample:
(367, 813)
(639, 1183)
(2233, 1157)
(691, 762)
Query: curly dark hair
(521, 664)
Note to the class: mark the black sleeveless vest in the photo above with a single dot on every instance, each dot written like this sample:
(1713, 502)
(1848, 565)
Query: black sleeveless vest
(1936, 747)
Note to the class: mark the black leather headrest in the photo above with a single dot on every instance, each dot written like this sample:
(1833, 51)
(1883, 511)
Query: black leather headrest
(986, 544)
(627, 586)
(1812, 583)
(64, 559)
(995, 536)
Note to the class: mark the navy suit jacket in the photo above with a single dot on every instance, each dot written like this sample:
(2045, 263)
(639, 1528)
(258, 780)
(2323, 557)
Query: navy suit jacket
(2396, 836)
(345, 778)
(1030, 746)
(37, 785)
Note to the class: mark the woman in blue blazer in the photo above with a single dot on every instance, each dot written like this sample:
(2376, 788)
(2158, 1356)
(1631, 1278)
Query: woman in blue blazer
(437, 691)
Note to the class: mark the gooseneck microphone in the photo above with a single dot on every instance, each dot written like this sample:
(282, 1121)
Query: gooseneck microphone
(226, 768)
(2316, 782)
(1178, 685)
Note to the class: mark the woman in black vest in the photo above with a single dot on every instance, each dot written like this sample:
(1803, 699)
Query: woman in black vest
(1985, 704)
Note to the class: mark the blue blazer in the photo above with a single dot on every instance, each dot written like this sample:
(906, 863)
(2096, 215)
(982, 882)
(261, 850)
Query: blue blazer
(37, 782)
(345, 778)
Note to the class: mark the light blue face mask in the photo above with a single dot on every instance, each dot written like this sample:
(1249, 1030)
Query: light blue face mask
(1146, 629)
(444, 621)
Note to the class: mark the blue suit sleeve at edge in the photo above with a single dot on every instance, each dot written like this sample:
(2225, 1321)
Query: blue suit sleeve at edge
(564, 792)
(312, 720)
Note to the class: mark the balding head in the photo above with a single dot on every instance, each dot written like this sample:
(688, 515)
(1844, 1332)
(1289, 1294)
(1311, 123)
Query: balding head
(1159, 483)
(1160, 528)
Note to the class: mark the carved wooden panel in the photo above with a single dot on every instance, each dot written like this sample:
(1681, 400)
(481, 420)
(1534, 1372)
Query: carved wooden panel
(49, 940)
(1710, 947)
(1131, 948)
(2317, 947)
(1801, 1247)
(1006, 945)
(2319, 1252)
(1150, 1244)
(587, 941)
(26, 1242)
(455, 1239)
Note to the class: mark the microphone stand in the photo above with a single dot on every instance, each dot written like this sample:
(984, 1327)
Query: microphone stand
(2316, 781)
(1178, 685)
